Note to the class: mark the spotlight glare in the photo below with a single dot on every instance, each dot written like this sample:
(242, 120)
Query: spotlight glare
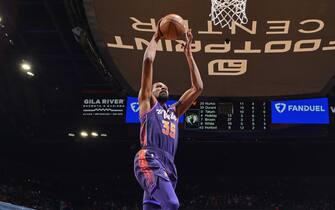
(25, 66)
(83, 134)
(103, 135)
(94, 134)
(71, 134)
(30, 74)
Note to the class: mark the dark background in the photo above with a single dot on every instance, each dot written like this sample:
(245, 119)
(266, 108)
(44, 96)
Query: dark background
(37, 113)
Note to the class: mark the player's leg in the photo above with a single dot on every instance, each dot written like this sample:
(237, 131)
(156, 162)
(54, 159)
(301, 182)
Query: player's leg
(151, 206)
(164, 193)
(150, 203)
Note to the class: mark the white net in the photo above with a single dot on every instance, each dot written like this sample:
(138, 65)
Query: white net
(225, 12)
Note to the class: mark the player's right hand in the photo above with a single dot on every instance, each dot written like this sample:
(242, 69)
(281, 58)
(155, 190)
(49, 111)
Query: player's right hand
(188, 41)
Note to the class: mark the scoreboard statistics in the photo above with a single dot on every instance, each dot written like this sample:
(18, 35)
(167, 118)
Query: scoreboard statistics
(218, 114)
(228, 115)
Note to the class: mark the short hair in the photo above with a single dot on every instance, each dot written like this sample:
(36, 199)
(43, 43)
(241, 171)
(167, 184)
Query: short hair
(157, 83)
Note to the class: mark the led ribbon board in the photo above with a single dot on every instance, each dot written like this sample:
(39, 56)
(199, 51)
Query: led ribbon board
(332, 111)
(102, 106)
(308, 111)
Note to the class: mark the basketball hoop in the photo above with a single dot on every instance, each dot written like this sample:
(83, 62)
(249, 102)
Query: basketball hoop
(225, 12)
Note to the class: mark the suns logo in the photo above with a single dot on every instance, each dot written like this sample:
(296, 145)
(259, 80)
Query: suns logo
(165, 115)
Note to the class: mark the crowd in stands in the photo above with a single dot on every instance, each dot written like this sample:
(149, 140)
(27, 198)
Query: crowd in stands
(273, 193)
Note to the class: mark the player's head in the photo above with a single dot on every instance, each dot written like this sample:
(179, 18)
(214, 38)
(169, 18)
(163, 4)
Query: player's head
(160, 91)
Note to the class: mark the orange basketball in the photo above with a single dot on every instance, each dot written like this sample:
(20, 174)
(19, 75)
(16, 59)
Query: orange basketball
(172, 27)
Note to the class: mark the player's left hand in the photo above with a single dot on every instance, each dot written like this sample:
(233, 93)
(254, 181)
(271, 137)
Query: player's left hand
(158, 34)
(188, 38)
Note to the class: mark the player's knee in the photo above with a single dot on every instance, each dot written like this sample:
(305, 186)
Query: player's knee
(173, 204)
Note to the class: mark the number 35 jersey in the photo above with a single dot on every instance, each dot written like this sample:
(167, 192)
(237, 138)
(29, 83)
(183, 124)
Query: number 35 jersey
(159, 128)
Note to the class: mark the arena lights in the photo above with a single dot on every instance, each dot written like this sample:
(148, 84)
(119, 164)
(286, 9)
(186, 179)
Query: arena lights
(84, 134)
(25, 66)
(30, 74)
(0, 19)
(88, 134)
(94, 134)
(71, 134)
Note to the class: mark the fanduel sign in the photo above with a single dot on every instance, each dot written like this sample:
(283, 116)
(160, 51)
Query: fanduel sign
(133, 110)
(306, 111)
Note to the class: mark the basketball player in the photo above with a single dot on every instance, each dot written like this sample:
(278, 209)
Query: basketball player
(154, 163)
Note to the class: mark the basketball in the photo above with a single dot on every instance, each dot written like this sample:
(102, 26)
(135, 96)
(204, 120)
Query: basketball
(172, 27)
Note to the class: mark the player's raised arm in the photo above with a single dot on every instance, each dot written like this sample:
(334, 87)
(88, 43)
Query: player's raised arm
(197, 86)
(145, 98)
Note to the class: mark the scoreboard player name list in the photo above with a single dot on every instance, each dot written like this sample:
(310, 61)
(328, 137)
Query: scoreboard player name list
(208, 115)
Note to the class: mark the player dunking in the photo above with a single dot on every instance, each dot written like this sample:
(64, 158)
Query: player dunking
(154, 163)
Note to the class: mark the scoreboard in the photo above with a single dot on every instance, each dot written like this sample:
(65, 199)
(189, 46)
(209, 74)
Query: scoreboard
(219, 115)
(228, 115)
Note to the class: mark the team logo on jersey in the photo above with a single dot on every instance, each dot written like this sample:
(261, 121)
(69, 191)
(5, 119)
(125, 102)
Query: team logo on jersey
(280, 107)
(135, 106)
(166, 116)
